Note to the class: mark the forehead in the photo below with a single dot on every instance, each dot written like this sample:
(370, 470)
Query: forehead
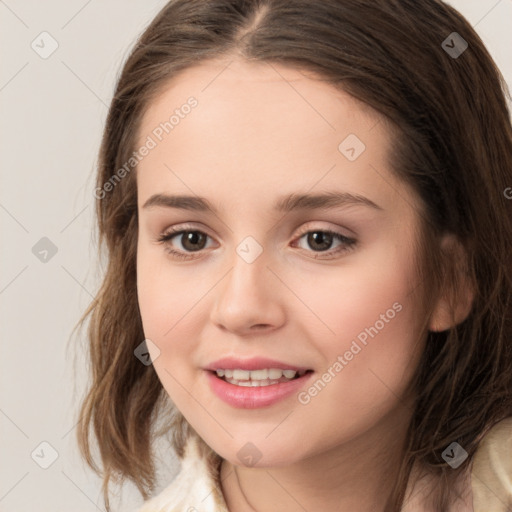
(265, 125)
(248, 94)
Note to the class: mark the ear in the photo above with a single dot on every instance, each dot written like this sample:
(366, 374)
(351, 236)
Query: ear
(453, 306)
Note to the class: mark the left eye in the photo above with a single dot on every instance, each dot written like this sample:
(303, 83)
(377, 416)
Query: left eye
(321, 240)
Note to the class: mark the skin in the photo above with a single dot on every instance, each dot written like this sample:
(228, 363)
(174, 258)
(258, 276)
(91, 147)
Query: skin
(259, 132)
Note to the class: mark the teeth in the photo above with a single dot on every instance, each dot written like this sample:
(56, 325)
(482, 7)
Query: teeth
(274, 373)
(257, 374)
(241, 374)
(252, 383)
(257, 377)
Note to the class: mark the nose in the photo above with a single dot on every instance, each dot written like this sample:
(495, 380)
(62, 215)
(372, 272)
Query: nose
(249, 298)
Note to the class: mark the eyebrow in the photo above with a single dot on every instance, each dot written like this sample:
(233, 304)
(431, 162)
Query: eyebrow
(284, 204)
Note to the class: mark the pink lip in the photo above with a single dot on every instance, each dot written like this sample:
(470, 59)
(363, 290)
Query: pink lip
(253, 363)
(254, 397)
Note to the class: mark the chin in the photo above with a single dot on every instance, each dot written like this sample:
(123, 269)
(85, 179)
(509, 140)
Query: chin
(259, 455)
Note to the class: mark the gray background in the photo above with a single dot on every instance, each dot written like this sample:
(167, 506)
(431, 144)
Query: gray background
(52, 114)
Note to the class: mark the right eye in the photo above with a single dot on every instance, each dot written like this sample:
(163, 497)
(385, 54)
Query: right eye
(191, 240)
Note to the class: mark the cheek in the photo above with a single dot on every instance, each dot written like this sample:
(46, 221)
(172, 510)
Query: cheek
(169, 301)
(348, 300)
(157, 304)
(367, 365)
(369, 319)
(366, 379)
(163, 306)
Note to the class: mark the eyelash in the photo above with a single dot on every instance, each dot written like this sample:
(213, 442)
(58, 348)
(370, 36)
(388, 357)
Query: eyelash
(170, 233)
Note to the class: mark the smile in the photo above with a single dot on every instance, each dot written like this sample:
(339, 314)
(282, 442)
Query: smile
(240, 389)
(254, 378)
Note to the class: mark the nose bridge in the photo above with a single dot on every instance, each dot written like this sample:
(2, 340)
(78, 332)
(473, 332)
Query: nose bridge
(248, 279)
(248, 296)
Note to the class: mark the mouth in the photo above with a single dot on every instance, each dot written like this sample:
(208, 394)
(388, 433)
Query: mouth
(255, 382)
(252, 389)
(258, 378)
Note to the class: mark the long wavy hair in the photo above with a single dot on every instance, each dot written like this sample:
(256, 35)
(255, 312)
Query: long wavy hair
(452, 144)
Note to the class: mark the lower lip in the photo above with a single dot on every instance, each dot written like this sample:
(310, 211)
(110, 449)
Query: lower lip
(245, 397)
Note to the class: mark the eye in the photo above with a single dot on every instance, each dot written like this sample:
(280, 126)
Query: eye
(191, 240)
(321, 241)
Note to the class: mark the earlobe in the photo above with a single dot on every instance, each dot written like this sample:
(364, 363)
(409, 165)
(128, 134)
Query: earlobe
(453, 305)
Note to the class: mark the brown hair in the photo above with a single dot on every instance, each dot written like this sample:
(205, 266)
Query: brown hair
(452, 144)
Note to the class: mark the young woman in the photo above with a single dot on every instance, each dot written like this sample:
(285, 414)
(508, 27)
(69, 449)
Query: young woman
(308, 216)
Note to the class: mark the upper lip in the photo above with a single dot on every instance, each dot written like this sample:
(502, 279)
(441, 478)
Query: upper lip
(253, 363)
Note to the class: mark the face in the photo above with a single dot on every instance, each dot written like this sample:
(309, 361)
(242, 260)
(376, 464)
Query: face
(246, 269)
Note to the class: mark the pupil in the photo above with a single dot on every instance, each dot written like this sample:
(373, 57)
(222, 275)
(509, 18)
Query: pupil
(193, 237)
(317, 237)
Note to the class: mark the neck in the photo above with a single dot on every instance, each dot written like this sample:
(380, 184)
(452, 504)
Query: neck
(355, 475)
